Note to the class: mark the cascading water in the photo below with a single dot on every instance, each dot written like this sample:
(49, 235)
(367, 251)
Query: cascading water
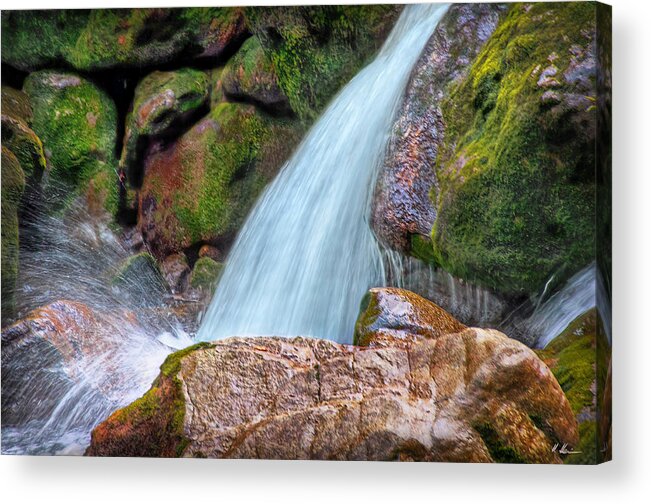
(306, 255)
(552, 316)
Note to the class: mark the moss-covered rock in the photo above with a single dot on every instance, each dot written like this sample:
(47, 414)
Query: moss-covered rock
(25, 144)
(36, 39)
(250, 76)
(205, 274)
(13, 184)
(16, 104)
(315, 50)
(147, 37)
(140, 278)
(257, 397)
(163, 102)
(118, 38)
(572, 357)
(76, 122)
(163, 406)
(200, 187)
(516, 170)
(403, 213)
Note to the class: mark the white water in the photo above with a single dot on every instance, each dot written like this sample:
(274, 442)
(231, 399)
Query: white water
(306, 255)
(577, 297)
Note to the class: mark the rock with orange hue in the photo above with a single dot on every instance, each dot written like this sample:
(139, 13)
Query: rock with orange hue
(390, 316)
(163, 104)
(44, 352)
(472, 396)
(402, 206)
(426, 388)
(250, 76)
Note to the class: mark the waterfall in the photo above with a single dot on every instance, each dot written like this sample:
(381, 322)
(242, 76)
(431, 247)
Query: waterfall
(306, 255)
(578, 295)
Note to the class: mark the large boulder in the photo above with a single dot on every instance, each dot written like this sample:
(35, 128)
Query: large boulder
(77, 123)
(118, 38)
(200, 187)
(454, 398)
(250, 76)
(403, 214)
(428, 389)
(515, 193)
(13, 184)
(163, 103)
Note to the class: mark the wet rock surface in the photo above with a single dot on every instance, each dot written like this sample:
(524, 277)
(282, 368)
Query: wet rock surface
(473, 395)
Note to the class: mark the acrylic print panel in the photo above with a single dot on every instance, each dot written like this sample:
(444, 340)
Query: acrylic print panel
(374, 232)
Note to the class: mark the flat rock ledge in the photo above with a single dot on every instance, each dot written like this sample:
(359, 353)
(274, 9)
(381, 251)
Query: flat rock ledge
(470, 396)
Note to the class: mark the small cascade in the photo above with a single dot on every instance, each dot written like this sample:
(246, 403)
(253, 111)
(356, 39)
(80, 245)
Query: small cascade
(551, 317)
(306, 255)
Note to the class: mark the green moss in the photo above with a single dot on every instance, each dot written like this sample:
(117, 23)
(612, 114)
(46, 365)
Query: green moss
(369, 311)
(499, 451)
(162, 100)
(141, 271)
(77, 124)
(315, 50)
(204, 186)
(13, 184)
(25, 144)
(205, 274)
(587, 445)
(422, 248)
(146, 37)
(36, 39)
(172, 364)
(572, 359)
(516, 198)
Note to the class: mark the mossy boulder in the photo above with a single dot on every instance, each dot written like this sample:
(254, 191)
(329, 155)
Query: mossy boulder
(163, 102)
(13, 184)
(140, 279)
(315, 50)
(446, 399)
(118, 38)
(76, 122)
(516, 187)
(201, 187)
(25, 144)
(205, 274)
(580, 369)
(32, 40)
(16, 104)
(250, 76)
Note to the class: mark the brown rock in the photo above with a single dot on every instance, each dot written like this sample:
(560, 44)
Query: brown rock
(390, 316)
(473, 396)
(176, 272)
(46, 350)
